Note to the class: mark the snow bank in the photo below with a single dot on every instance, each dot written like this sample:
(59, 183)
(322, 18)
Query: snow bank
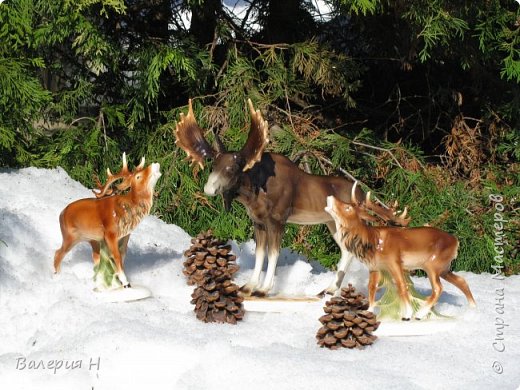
(55, 333)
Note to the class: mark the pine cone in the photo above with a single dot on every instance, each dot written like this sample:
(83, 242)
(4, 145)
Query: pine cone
(207, 253)
(346, 322)
(216, 299)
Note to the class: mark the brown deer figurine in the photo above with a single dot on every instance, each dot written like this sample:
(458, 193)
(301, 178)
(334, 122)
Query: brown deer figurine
(272, 188)
(396, 249)
(109, 217)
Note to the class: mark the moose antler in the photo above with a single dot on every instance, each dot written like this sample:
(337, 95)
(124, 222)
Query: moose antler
(106, 189)
(256, 140)
(190, 137)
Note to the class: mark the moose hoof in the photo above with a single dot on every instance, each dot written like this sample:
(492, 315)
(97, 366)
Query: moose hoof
(127, 286)
(245, 290)
(328, 291)
(405, 319)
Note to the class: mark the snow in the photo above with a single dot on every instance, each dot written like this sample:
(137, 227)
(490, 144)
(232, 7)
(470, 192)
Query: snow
(52, 327)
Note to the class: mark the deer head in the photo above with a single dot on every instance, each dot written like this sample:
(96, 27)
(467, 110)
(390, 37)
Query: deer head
(140, 179)
(351, 214)
(227, 166)
(345, 215)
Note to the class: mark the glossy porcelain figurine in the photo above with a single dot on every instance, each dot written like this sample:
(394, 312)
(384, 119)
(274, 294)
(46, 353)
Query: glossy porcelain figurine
(395, 249)
(108, 219)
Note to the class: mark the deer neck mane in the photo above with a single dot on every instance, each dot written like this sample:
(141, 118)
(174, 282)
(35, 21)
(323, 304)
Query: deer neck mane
(134, 209)
(360, 239)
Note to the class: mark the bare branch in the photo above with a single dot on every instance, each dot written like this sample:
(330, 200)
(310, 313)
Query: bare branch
(380, 149)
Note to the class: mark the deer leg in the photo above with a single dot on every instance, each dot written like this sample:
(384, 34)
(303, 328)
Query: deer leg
(342, 267)
(96, 251)
(66, 246)
(113, 247)
(123, 246)
(396, 271)
(460, 283)
(261, 243)
(433, 298)
(373, 282)
(274, 236)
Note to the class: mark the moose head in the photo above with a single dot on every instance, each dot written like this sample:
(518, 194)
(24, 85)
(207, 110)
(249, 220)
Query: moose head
(227, 166)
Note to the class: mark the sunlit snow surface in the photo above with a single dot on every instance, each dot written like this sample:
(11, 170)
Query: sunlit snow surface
(158, 343)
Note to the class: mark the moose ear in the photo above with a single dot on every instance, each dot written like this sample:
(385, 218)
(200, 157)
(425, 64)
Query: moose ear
(257, 139)
(190, 138)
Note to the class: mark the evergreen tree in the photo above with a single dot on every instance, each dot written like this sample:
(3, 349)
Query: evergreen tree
(369, 90)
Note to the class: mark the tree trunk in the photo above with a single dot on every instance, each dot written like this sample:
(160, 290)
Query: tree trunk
(204, 20)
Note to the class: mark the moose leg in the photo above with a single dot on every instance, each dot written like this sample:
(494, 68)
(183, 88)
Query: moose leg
(113, 247)
(342, 267)
(434, 297)
(460, 283)
(261, 243)
(373, 282)
(274, 237)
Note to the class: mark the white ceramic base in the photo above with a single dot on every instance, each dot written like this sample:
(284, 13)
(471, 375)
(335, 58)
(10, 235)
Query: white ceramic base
(281, 304)
(121, 294)
(414, 327)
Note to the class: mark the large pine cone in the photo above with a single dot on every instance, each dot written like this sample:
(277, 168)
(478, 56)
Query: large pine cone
(346, 322)
(207, 253)
(217, 300)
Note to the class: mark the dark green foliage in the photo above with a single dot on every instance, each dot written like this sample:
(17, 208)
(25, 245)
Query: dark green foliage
(428, 200)
(373, 91)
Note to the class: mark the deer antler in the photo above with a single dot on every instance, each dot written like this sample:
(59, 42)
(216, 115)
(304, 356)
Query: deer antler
(389, 214)
(190, 137)
(363, 214)
(140, 166)
(386, 214)
(256, 140)
(106, 189)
